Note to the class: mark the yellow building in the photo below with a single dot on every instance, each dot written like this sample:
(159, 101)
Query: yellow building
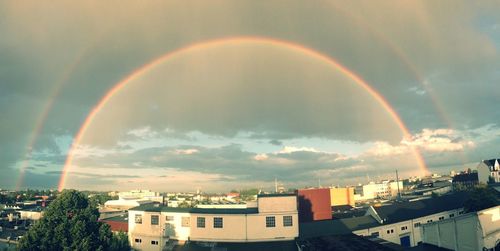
(342, 196)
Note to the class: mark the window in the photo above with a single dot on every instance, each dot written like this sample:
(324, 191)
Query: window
(138, 219)
(200, 222)
(452, 215)
(416, 224)
(441, 218)
(218, 222)
(185, 221)
(390, 231)
(404, 228)
(461, 212)
(270, 221)
(287, 221)
(429, 221)
(154, 242)
(138, 240)
(155, 219)
(169, 218)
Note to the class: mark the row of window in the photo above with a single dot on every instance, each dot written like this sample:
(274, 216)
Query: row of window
(218, 222)
(139, 241)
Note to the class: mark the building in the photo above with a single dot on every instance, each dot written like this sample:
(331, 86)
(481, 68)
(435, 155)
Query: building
(125, 204)
(400, 222)
(153, 227)
(465, 180)
(314, 204)
(117, 223)
(489, 171)
(468, 232)
(372, 190)
(141, 195)
(342, 196)
(34, 213)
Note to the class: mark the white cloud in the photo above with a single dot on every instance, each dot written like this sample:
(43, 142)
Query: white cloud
(292, 149)
(186, 151)
(142, 132)
(261, 156)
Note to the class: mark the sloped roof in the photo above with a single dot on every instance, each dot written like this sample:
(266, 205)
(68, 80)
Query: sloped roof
(403, 211)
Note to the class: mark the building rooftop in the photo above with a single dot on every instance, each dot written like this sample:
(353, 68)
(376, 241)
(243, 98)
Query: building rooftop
(159, 208)
(403, 211)
(276, 195)
(345, 242)
(118, 218)
(336, 226)
(463, 177)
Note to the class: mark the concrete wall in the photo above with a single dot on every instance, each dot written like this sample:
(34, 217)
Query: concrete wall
(342, 196)
(277, 204)
(314, 204)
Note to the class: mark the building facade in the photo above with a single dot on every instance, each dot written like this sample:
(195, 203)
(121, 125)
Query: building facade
(489, 171)
(314, 204)
(342, 196)
(274, 219)
(469, 232)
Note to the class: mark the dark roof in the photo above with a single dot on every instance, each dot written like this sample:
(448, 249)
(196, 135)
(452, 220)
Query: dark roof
(346, 242)
(153, 208)
(490, 162)
(403, 211)
(247, 246)
(276, 195)
(464, 177)
(119, 218)
(341, 208)
(336, 226)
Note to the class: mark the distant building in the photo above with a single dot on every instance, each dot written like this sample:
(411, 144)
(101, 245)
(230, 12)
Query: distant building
(489, 170)
(125, 204)
(372, 190)
(468, 232)
(314, 204)
(342, 196)
(465, 180)
(154, 227)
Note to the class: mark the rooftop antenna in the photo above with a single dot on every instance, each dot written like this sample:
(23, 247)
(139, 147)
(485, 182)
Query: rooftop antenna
(275, 185)
(397, 183)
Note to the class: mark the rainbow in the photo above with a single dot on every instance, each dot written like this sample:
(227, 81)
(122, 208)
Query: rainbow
(224, 41)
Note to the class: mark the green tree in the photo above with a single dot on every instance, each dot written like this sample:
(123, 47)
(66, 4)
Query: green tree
(481, 197)
(70, 223)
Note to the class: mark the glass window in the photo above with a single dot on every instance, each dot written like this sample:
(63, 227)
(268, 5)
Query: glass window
(287, 221)
(270, 221)
(169, 218)
(200, 222)
(138, 240)
(429, 221)
(155, 219)
(416, 224)
(154, 242)
(452, 215)
(185, 221)
(138, 219)
(218, 222)
(441, 218)
(404, 228)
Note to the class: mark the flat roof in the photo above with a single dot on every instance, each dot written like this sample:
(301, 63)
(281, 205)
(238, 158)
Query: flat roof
(152, 208)
(276, 195)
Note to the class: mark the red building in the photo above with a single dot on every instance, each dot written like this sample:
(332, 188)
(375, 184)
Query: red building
(117, 223)
(314, 204)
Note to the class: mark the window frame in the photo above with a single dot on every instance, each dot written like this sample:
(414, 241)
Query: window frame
(183, 221)
(287, 219)
(138, 219)
(200, 222)
(156, 222)
(270, 221)
(218, 222)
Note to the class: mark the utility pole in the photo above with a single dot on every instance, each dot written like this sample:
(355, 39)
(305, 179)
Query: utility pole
(397, 183)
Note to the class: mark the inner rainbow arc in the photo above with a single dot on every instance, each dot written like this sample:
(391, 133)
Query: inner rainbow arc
(217, 42)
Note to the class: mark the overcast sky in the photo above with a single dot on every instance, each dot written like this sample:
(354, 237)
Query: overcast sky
(243, 112)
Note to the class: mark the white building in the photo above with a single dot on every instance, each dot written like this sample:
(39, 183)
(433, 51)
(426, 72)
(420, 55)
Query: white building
(274, 219)
(487, 169)
(400, 223)
(372, 190)
(141, 195)
(468, 232)
(125, 204)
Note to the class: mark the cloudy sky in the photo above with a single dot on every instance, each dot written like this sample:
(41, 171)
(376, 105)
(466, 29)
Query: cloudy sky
(278, 95)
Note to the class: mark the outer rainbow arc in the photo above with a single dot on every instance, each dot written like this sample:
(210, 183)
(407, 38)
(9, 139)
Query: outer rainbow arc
(211, 43)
